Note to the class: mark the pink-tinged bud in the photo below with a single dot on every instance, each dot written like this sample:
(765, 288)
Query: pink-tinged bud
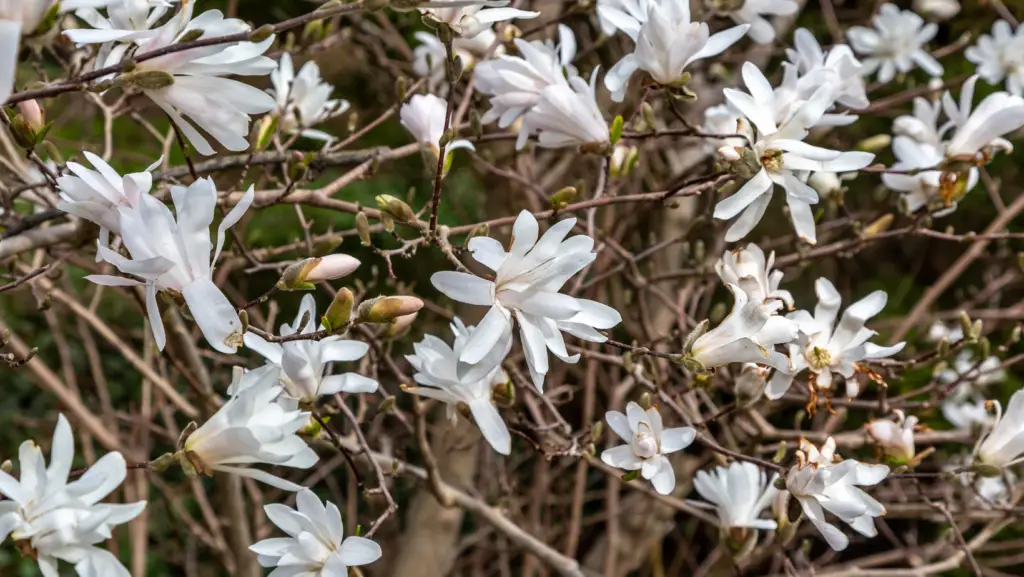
(401, 324)
(332, 266)
(729, 153)
(33, 114)
(305, 273)
(387, 309)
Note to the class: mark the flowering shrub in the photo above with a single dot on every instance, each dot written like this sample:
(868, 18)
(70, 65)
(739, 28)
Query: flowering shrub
(484, 225)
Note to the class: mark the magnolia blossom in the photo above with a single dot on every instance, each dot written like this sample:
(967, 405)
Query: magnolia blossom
(748, 269)
(825, 347)
(753, 12)
(939, 330)
(304, 100)
(430, 56)
(515, 83)
(567, 114)
(190, 84)
(923, 125)
(921, 188)
(980, 130)
(424, 117)
(895, 438)
(827, 184)
(526, 285)
(304, 362)
(967, 415)
(126, 21)
(972, 377)
(750, 383)
(316, 544)
(722, 119)
(666, 42)
(173, 254)
(895, 44)
(1000, 56)
(469, 18)
(65, 521)
(96, 195)
(745, 336)
(444, 377)
(778, 154)
(816, 66)
(1004, 445)
(612, 16)
(647, 444)
(254, 426)
(17, 17)
(937, 9)
(739, 493)
(821, 484)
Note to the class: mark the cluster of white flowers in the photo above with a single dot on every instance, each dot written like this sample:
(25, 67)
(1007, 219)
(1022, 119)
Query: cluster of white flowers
(762, 134)
(932, 170)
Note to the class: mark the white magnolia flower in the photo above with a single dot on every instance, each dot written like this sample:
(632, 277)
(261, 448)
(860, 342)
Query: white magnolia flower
(74, 5)
(753, 12)
(991, 492)
(304, 362)
(1004, 445)
(515, 83)
(827, 184)
(253, 426)
(444, 377)
(666, 43)
(126, 21)
(895, 44)
(17, 17)
(612, 16)
(61, 520)
(96, 195)
(527, 280)
(968, 415)
(745, 336)
(896, 438)
(304, 100)
(972, 377)
(723, 119)
(921, 189)
(816, 66)
(739, 493)
(469, 18)
(923, 125)
(192, 83)
(1000, 56)
(749, 384)
(567, 114)
(173, 254)
(820, 484)
(748, 269)
(647, 444)
(780, 153)
(937, 9)
(429, 56)
(940, 330)
(316, 545)
(826, 347)
(424, 117)
(978, 131)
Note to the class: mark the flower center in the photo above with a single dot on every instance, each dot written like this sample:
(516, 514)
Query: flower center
(771, 160)
(645, 445)
(818, 358)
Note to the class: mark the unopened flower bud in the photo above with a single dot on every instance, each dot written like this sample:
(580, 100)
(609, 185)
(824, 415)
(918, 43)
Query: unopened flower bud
(396, 208)
(363, 228)
(750, 383)
(264, 132)
(33, 114)
(304, 274)
(561, 199)
(149, 79)
(262, 33)
(7, 466)
(400, 325)
(479, 230)
(624, 158)
(339, 313)
(387, 309)
(875, 143)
